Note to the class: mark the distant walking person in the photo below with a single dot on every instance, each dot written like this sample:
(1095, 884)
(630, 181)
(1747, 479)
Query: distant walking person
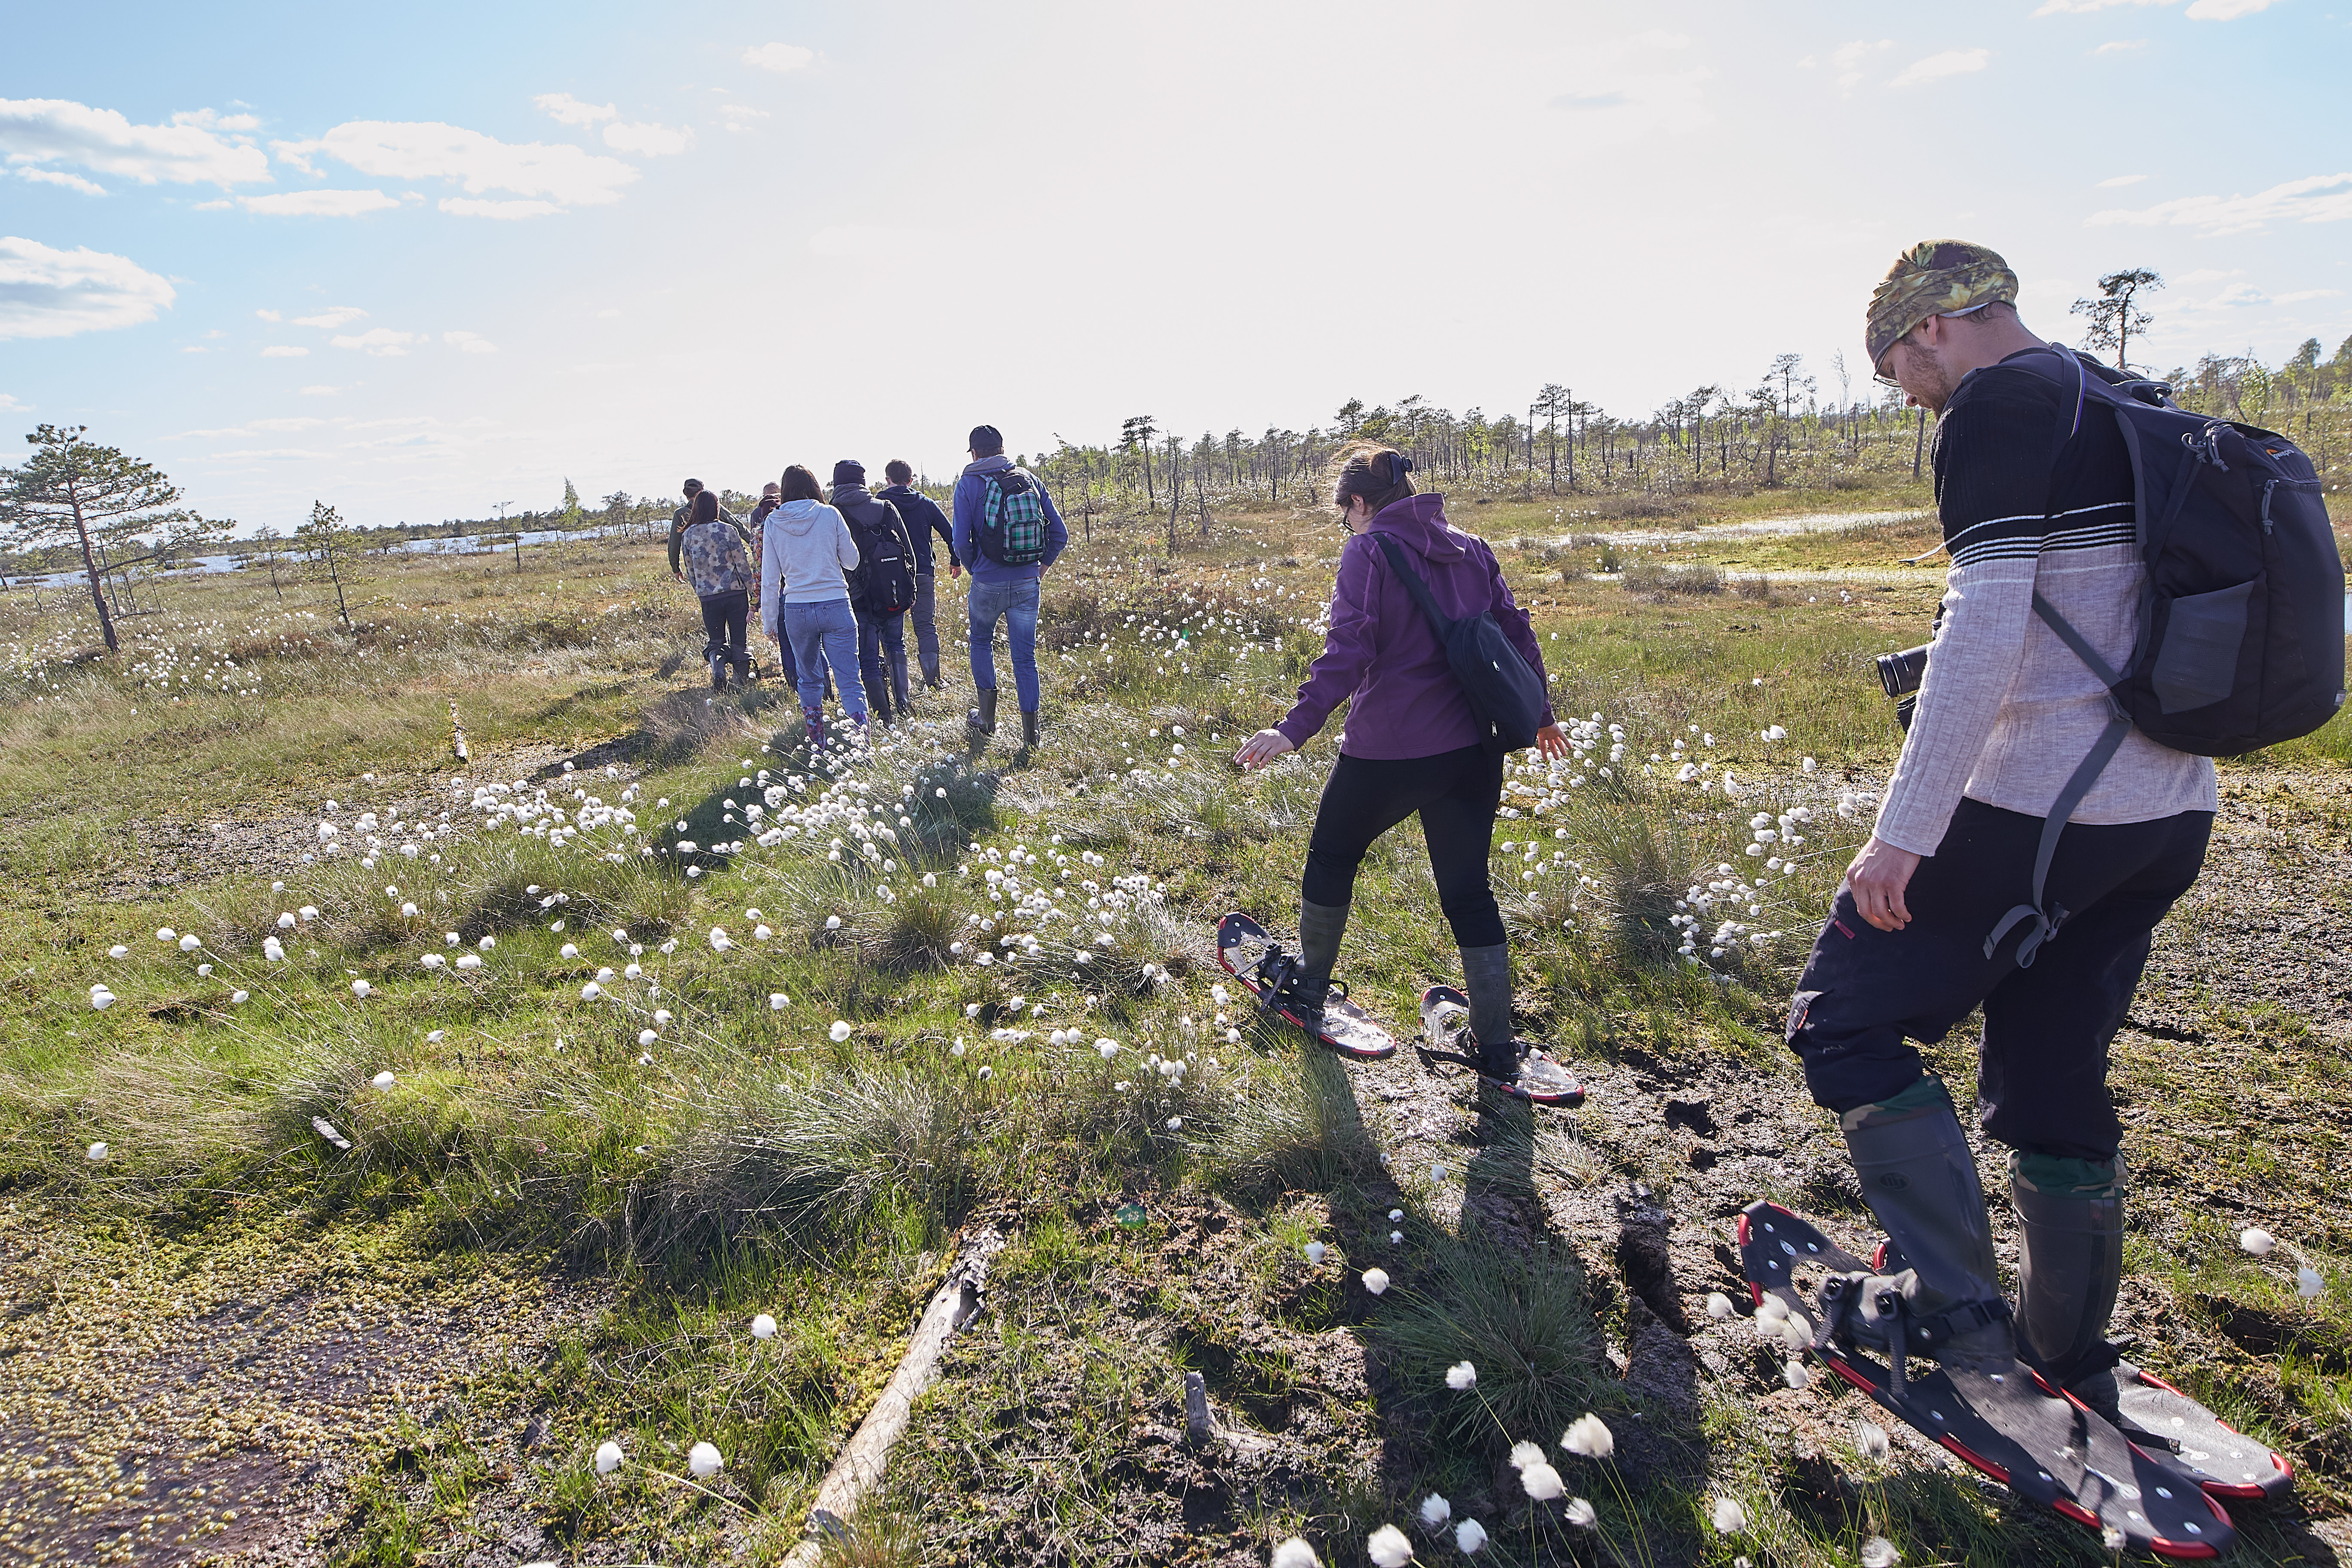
(1008, 532)
(683, 516)
(804, 597)
(720, 570)
(923, 518)
(1412, 744)
(881, 590)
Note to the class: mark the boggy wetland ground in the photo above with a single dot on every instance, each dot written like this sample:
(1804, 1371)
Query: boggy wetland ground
(655, 1105)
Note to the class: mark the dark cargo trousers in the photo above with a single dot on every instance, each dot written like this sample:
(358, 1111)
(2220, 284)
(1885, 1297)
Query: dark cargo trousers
(2042, 1076)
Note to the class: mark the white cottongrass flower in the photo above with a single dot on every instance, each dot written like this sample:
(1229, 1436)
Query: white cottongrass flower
(2307, 1282)
(1175, 1123)
(273, 949)
(778, 1001)
(286, 920)
(1436, 1510)
(487, 943)
(1879, 1552)
(431, 960)
(360, 988)
(165, 933)
(1542, 1482)
(2257, 1240)
(1461, 1376)
(1795, 1375)
(383, 1083)
(832, 923)
(1870, 1439)
(646, 1037)
(1293, 1552)
(118, 951)
(1315, 1251)
(1525, 1454)
(1470, 1537)
(1729, 1517)
(763, 1327)
(1718, 1305)
(237, 998)
(568, 950)
(2112, 1539)
(1108, 1048)
(1437, 1173)
(702, 1461)
(840, 1030)
(469, 961)
(1375, 1280)
(590, 991)
(661, 1017)
(190, 942)
(608, 1456)
(98, 1153)
(1588, 1435)
(1389, 1548)
(100, 997)
(1582, 1514)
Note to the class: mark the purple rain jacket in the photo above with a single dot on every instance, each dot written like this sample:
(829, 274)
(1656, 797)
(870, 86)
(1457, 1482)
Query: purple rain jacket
(1381, 651)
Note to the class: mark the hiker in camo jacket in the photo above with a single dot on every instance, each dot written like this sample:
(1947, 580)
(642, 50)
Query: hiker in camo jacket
(711, 550)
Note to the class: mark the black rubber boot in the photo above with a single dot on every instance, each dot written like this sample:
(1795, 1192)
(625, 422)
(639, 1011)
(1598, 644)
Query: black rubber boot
(1033, 728)
(1486, 977)
(2070, 1263)
(1919, 1178)
(717, 672)
(1320, 927)
(981, 720)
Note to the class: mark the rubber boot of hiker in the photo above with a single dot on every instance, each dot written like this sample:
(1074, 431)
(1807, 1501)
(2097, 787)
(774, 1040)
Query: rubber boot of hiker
(2070, 1264)
(718, 671)
(743, 666)
(1919, 1177)
(1033, 728)
(981, 720)
(815, 728)
(1320, 927)
(1487, 976)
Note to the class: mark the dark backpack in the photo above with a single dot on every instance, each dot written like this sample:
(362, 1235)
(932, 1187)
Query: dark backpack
(1506, 697)
(1012, 530)
(2241, 641)
(885, 578)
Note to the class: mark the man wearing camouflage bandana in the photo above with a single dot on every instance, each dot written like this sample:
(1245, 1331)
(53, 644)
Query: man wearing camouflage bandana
(2005, 712)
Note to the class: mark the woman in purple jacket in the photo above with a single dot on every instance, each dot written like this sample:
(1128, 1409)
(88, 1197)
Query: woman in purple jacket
(1411, 746)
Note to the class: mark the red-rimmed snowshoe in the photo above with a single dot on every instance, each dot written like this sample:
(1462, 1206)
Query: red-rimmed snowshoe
(2046, 1449)
(1337, 1024)
(1518, 1070)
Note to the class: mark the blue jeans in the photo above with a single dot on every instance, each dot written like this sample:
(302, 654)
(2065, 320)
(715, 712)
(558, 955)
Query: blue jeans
(1015, 603)
(882, 660)
(826, 634)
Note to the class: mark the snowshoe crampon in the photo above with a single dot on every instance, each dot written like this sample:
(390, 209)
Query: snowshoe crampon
(2045, 1450)
(1253, 957)
(1539, 1079)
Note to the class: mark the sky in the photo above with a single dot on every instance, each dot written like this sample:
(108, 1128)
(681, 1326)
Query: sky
(417, 262)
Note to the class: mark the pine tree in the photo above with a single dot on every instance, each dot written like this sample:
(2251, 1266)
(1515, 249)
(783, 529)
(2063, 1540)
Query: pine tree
(75, 493)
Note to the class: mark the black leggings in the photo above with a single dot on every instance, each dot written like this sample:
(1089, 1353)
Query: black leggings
(724, 619)
(1457, 794)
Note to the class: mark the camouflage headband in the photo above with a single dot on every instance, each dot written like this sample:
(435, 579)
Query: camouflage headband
(1934, 278)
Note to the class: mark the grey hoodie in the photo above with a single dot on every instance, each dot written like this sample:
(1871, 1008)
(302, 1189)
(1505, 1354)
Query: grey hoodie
(804, 549)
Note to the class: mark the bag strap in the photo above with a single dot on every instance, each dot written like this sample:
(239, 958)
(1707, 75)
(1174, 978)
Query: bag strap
(1439, 621)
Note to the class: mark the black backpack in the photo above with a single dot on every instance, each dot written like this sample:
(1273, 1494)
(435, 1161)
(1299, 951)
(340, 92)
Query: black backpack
(1506, 697)
(2241, 641)
(884, 577)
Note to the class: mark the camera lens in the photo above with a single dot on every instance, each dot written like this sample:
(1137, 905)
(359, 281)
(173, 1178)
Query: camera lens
(1900, 673)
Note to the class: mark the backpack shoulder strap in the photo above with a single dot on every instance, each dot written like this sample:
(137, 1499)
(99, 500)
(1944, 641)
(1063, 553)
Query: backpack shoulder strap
(1439, 621)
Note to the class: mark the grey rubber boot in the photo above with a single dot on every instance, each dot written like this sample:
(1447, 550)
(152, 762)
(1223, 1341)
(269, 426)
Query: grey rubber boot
(1919, 1178)
(1320, 927)
(1032, 727)
(982, 718)
(2069, 1267)
(1487, 976)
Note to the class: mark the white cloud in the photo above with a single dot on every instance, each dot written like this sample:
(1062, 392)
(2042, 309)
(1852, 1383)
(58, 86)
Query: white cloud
(2200, 10)
(51, 294)
(2300, 295)
(2321, 198)
(70, 182)
(566, 109)
(428, 150)
(647, 140)
(740, 116)
(267, 315)
(284, 351)
(10, 406)
(317, 204)
(339, 316)
(2209, 275)
(300, 424)
(320, 391)
(1850, 59)
(211, 120)
(1619, 99)
(778, 57)
(2120, 46)
(214, 206)
(1936, 68)
(60, 131)
(471, 342)
(381, 341)
(467, 207)
(2109, 185)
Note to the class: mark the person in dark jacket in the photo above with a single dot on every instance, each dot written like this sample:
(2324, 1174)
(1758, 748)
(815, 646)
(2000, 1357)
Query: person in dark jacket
(884, 557)
(923, 518)
(1412, 744)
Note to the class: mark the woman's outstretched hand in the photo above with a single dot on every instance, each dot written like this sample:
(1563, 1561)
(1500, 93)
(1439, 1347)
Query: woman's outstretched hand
(1263, 748)
(1551, 743)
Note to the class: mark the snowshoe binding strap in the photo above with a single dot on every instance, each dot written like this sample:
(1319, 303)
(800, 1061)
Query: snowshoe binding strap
(1877, 1310)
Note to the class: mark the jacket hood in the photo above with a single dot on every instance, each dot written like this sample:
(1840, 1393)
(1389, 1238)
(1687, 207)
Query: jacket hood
(1420, 522)
(800, 516)
(995, 465)
(850, 495)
